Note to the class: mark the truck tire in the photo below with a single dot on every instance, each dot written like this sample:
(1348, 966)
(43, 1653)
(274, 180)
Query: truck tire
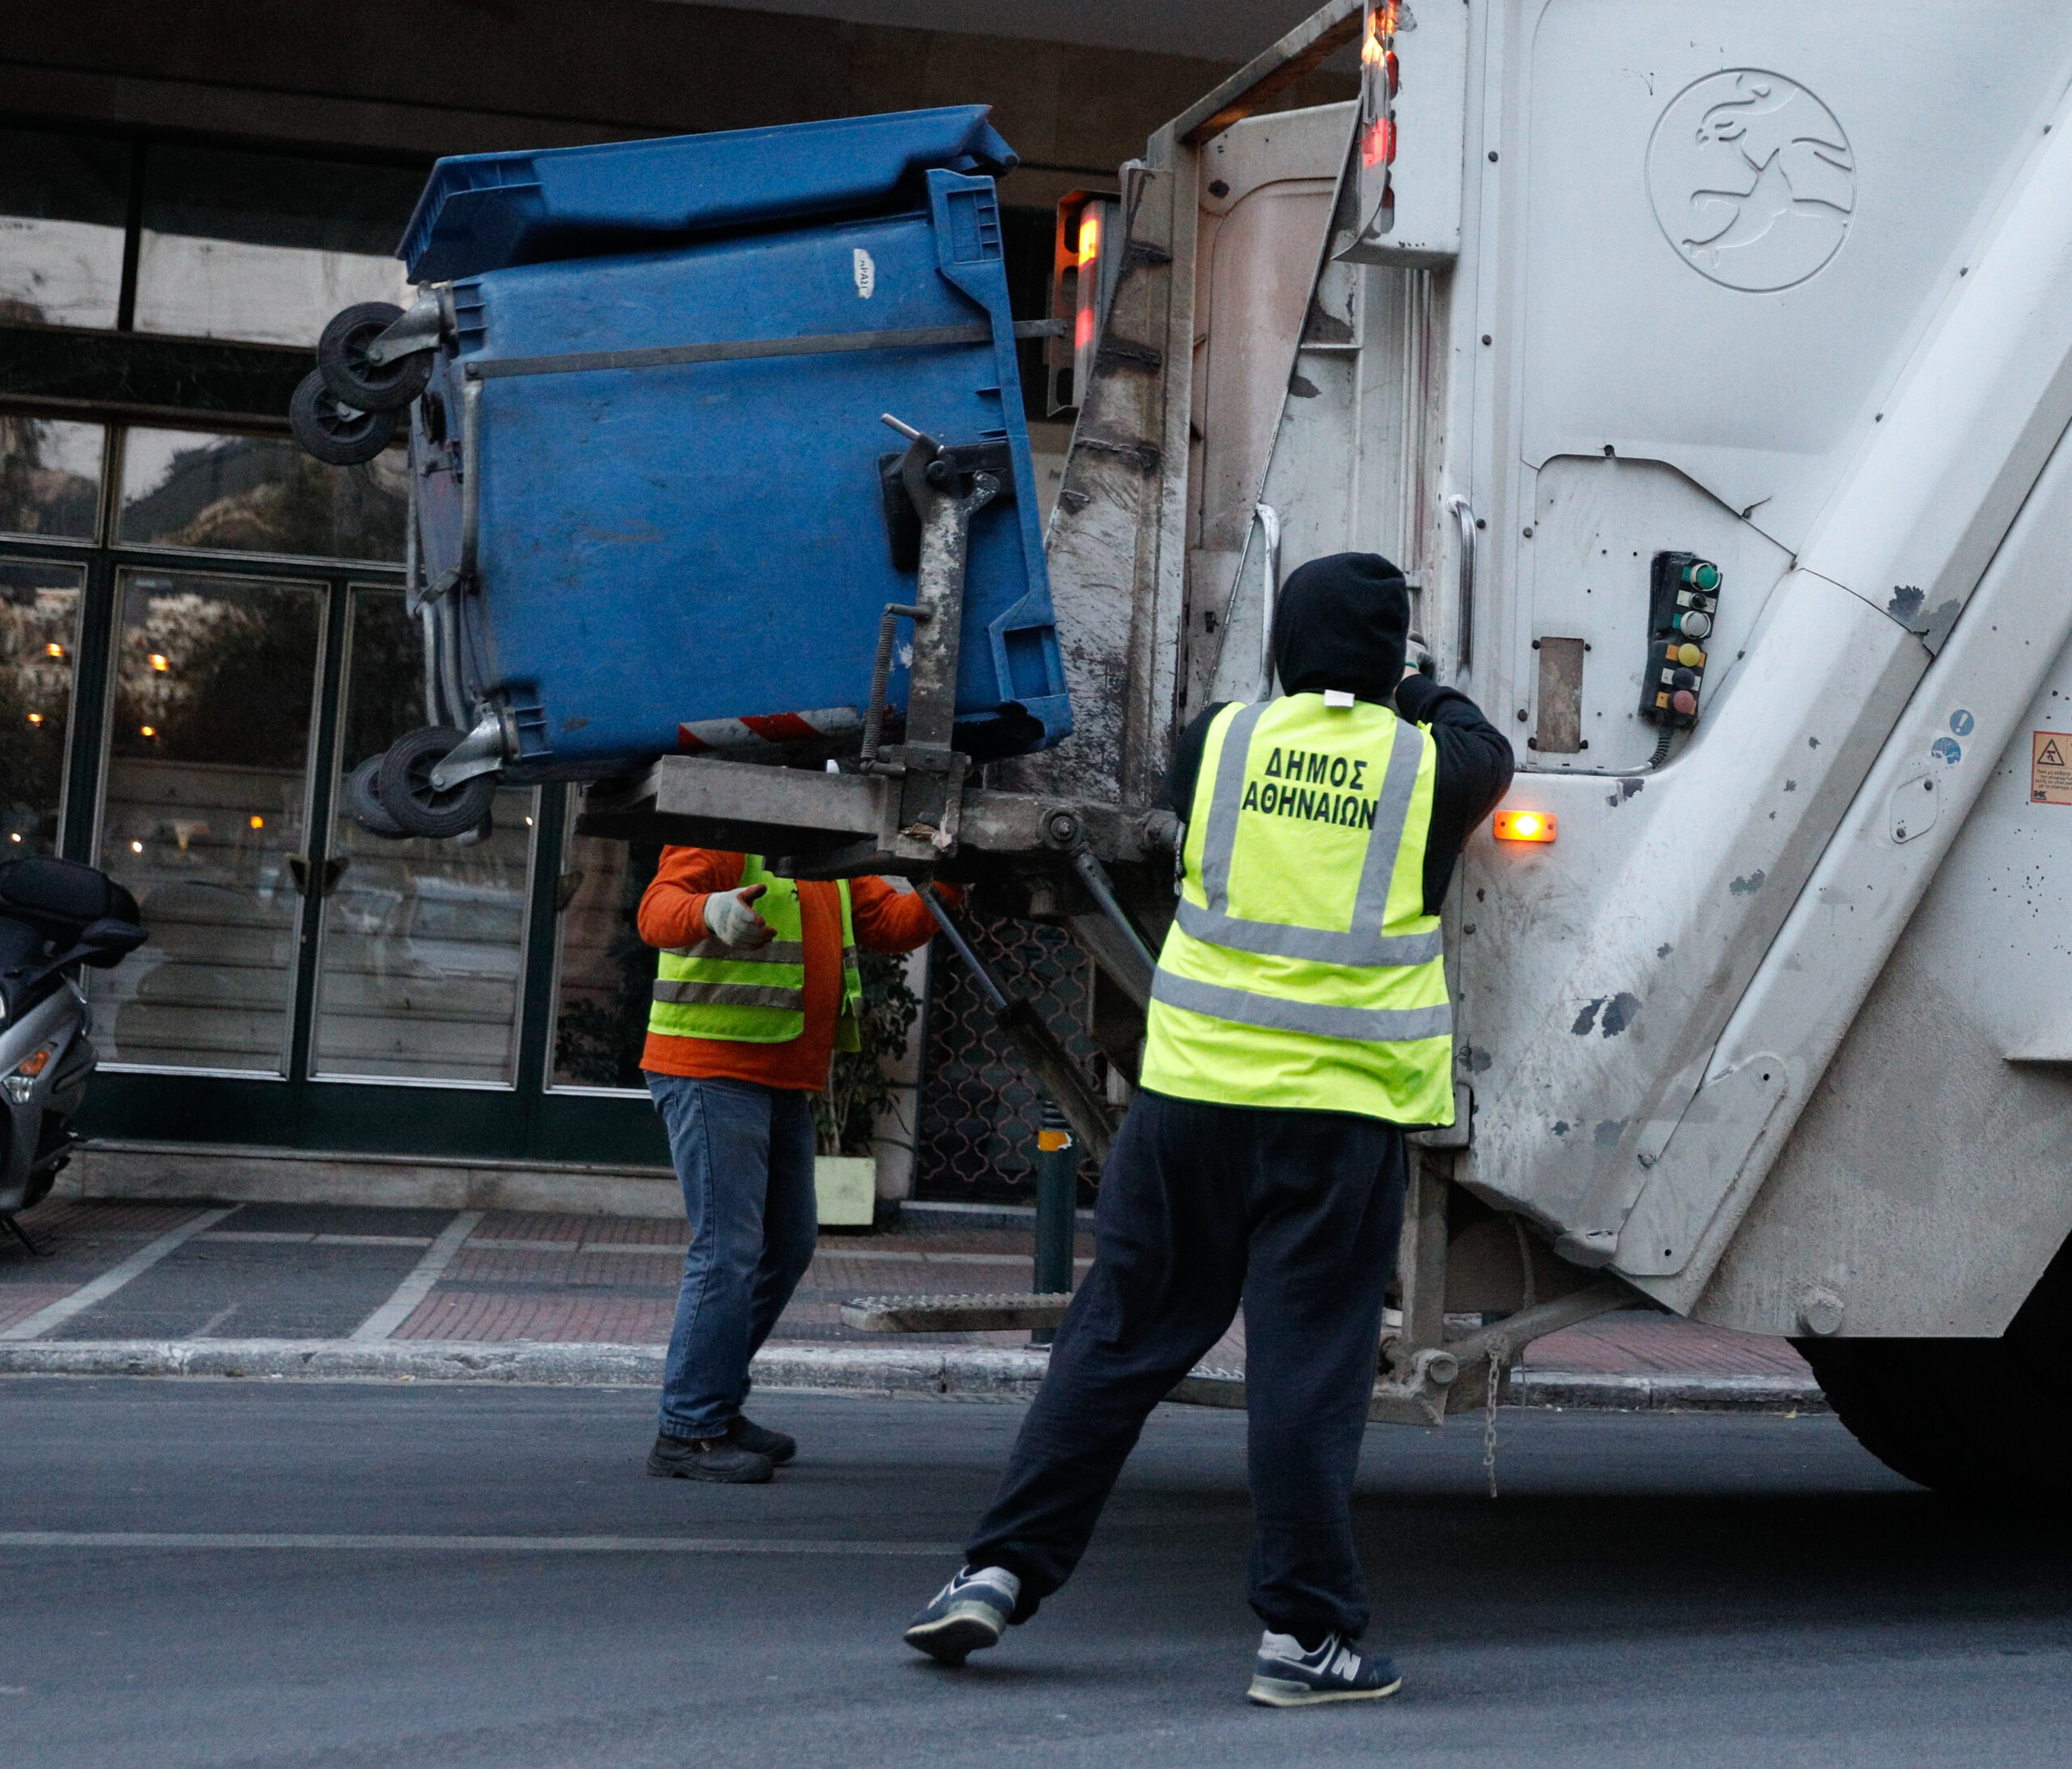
(404, 786)
(1978, 1419)
(355, 380)
(337, 435)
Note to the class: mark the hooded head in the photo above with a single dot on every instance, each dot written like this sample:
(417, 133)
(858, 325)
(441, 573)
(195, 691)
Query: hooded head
(1343, 622)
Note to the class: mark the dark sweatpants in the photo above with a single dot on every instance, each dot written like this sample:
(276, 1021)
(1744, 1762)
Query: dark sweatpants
(1297, 1213)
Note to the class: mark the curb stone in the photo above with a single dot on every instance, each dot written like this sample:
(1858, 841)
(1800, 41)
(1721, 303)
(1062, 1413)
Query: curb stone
(1600, 1393)
(954, 1371)
(1006, 1374)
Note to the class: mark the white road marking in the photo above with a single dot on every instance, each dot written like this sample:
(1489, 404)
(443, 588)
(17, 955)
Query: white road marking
(934, 1258)
(190, 1540)
(415, 1288)
(677, 1250)
(35, 1325)
(283, 1237)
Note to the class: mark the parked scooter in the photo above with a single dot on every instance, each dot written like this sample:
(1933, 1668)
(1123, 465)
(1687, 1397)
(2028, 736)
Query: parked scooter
(55, 915)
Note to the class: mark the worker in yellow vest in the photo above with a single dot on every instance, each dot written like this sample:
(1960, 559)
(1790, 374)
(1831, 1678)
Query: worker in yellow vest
(756, 988)
(1299, 1022)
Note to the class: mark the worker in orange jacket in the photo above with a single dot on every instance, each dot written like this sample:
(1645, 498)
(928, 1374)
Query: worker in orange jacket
(757, 985)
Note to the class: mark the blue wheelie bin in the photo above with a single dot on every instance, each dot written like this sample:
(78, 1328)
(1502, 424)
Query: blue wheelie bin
(652, 512)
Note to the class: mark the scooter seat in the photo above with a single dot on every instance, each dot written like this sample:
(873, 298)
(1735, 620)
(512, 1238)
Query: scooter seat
(61, 897)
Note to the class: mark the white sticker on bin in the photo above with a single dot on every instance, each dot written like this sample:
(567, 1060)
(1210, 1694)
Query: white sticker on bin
(866, 269)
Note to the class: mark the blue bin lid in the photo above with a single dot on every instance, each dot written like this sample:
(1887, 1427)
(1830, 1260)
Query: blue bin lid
(485, 211)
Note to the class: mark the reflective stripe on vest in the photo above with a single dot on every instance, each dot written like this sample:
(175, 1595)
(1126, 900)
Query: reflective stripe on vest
(1378, 1025)
(754, 995)
(1316, 818)
(1363, 943)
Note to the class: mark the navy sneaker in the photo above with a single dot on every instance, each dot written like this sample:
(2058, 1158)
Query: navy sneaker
(780, 1447)
(1285, 1676)
(967, 1615)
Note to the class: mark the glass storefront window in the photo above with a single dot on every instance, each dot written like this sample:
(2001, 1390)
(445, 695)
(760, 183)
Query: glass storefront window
(39, 628)
(204, 800)
(63, 202)
(423, 942)
(50, 478)
(185, 488)
(605, 973)
(264, 247)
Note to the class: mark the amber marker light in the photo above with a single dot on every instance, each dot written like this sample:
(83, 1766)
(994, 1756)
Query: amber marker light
(159, 661)
(1089, 256)
(1525, 826)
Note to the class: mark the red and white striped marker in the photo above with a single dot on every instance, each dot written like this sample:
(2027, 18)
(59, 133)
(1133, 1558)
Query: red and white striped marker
(759, 730)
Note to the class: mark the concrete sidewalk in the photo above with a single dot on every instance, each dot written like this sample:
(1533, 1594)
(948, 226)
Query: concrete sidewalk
(350, 1293)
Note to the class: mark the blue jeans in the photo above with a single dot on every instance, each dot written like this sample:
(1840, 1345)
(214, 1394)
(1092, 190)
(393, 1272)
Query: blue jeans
(743, 1153)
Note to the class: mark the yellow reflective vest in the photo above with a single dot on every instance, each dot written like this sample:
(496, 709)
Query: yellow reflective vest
(714, 991)
(1302, 971)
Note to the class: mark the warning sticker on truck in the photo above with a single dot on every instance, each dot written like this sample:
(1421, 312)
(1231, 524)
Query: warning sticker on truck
(2050, 768)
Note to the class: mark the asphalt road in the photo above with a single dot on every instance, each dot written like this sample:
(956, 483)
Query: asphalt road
(1650, 1590)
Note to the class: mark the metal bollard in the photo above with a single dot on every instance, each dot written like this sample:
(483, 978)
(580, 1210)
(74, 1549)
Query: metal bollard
(1057, 1187)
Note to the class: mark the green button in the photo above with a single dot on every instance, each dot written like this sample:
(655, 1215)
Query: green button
(1702, 575)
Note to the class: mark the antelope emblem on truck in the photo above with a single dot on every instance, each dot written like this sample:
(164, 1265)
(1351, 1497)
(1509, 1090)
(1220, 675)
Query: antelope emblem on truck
(1767, 179)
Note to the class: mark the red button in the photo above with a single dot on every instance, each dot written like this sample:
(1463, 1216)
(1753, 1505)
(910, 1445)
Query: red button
(1685, 700)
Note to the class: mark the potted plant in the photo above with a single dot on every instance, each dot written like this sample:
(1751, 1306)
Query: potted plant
(860, 1089)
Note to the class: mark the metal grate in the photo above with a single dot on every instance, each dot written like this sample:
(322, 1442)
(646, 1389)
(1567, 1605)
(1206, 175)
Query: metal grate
(977, 1139)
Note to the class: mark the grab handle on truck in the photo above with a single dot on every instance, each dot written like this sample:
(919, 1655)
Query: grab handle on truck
(1269, 521)
(1463, 513)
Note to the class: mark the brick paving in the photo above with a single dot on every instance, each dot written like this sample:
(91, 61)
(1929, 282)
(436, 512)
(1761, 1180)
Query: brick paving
(1634, 1344)
(19, 1301)
(54, 1220)
(613, 1281)
(458, 1313)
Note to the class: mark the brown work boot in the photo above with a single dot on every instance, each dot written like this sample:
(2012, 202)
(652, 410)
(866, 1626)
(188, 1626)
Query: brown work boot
(707, 1458)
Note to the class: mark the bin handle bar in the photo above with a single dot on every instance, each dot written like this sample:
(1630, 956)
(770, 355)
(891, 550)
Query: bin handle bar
(449, 665)
(471, 452)
(888, 634)
(471, 476)
(736, 349)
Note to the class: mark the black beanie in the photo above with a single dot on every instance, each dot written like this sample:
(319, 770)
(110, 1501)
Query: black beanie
(1343, 622)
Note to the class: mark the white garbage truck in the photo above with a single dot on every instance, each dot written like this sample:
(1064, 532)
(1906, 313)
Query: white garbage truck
(1705, 365)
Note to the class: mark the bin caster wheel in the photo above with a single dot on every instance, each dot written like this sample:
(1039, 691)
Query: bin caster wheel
(338, 434)
(354, 379)
(404, 786)
(363, 799)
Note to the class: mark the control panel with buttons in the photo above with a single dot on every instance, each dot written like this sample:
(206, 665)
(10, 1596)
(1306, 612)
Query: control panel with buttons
(1682, 608)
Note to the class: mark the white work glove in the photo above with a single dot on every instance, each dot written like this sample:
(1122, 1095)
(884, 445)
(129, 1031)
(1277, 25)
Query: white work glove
(729, 917)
